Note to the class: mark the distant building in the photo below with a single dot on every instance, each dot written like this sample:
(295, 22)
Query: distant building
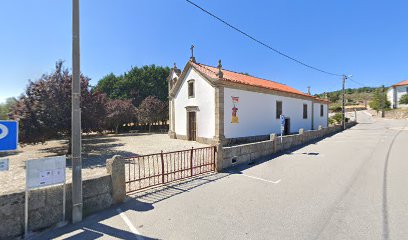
(213, 105)
(395, 93)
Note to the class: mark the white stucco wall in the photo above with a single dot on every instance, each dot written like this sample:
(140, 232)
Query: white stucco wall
(318, 120)
(257, 114)
(401, 90)
(205, 101)
(390, 96)
(174, 75)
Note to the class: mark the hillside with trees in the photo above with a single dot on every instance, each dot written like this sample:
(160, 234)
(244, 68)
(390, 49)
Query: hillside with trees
(354, 96)
(5, 108)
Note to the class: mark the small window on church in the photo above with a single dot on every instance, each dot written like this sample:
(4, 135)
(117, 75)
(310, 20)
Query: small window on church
(278, 109)
(321, 110)
(191, 88)
(304, 111)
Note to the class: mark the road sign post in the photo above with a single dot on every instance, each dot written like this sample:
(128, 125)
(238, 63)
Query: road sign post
(8, 135)
(4, 164)
(282, 120)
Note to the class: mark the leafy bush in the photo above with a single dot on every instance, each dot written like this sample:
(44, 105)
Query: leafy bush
(404, 99)
(336, 119)
(379, 101)
(335, 108)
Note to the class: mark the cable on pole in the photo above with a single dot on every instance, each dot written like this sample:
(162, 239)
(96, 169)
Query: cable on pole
(262, 43)
(356, 82)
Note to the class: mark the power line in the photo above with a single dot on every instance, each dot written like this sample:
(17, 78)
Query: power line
(262, 43)
(359, 83)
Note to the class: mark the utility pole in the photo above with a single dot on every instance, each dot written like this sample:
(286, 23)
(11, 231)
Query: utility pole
(76, 119)
(344, 103)
(382, 101)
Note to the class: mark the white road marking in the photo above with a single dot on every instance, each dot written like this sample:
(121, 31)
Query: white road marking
(4, 131)
(129, 224)
(269, 181)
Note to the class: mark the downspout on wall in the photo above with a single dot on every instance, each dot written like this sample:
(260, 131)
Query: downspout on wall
(312, 115)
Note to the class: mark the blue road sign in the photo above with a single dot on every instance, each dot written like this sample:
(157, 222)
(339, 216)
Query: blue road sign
(8, 135)
(282, 118)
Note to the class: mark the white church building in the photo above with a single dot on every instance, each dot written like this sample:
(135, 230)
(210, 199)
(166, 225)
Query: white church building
(217, 106)
(395, 92)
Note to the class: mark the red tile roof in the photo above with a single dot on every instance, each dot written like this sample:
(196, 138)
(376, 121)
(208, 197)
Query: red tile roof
(249, 80)
(402, 83)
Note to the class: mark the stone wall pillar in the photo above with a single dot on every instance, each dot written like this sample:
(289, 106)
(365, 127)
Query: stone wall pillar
(301, 132)
(273, 138)
(219, 115)
(172, 131)
(115, 167)
(220, 158)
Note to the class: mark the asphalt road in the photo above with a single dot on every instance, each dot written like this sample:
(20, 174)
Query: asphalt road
(352, 185)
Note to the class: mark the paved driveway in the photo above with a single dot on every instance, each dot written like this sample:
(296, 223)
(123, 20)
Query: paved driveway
(349, 186)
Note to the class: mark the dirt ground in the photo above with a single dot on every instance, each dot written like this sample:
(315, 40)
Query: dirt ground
(96, 150)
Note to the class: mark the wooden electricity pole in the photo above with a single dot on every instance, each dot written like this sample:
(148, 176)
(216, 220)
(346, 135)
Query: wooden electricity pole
(76, 119)
(383, 101)
(343, 104)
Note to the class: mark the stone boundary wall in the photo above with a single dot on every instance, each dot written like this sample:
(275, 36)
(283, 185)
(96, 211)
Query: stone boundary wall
(45, 204)
(246, 153)
(245, 140)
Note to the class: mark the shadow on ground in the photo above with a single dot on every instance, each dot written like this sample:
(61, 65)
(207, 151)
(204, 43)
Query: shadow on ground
(11, 153)
(158, 194)
(96, 226)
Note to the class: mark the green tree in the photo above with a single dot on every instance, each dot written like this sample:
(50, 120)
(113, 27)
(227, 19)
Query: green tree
(404, 99)
(379, 101)
(136, 84)
(336, 118)
(6, 108)
(111, 85)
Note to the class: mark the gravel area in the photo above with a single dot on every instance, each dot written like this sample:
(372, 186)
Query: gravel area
(96, 150)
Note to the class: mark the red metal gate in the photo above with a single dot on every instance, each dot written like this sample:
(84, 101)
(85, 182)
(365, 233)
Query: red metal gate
(159, 168)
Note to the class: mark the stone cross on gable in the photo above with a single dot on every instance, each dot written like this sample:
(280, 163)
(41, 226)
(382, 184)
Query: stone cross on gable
(192, 58)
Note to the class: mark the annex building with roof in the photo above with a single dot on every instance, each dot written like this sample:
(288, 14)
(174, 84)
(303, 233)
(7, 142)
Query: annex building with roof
(395, 92)
(217, 106)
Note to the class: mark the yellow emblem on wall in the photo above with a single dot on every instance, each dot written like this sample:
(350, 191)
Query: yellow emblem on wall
(234, 118)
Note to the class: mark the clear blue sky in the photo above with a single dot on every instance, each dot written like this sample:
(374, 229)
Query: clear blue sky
(368, 39)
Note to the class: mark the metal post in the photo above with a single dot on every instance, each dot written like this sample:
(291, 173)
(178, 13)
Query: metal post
(162, 164)
(214, 157)
(343, 104)
(27, 192)
(76, 119)
(64, 201)
(355, 115)
(191, 162)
